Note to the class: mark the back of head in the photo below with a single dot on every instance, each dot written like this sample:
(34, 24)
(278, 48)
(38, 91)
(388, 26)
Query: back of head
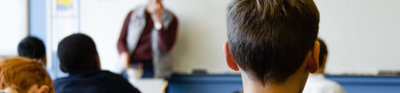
(323, 52)
(21, 74)
(269, 39)
(78, 52)
(31, 47)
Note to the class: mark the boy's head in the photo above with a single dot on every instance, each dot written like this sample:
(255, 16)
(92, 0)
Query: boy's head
(78, 52)
(271, 39)
(323, 54)
(21, 75)
(33, 48)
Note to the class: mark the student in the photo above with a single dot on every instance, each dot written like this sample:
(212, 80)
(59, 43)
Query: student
(33, 48)
(272, 43)
(22, 75)
(79, 58)
(316, 82)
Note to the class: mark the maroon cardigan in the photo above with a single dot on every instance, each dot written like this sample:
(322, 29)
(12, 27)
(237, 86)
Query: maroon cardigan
(143, 51)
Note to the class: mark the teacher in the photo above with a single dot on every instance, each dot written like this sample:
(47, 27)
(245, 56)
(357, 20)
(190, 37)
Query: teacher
(146, 38)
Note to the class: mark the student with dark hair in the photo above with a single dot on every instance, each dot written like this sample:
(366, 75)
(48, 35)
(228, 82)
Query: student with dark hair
(272, 43)
(79, 58)
(317, 83)
(33, 48)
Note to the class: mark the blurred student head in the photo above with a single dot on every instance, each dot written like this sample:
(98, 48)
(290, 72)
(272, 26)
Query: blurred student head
(22, 75)
(78, 52)
(273, 42)
(33, 48)
(323, 55)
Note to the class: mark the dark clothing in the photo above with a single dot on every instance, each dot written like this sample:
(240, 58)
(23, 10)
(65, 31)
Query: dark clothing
(148, 71)
(143, 50)
(93, 81)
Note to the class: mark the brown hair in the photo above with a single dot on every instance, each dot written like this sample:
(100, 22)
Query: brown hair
(270, 39)
(22, 73)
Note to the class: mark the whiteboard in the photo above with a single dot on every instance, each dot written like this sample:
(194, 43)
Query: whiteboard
(102, 20)
(201, 33)
(13, 25)
(362, 35)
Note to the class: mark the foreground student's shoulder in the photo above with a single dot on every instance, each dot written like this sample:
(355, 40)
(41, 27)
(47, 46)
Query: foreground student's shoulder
(337, 88)
(333, 87)
(323, 86)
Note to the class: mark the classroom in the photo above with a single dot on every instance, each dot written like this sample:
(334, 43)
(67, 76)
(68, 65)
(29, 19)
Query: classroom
(201, 46)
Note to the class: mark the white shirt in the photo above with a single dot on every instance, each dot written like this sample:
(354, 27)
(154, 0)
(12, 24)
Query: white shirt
(317, 83)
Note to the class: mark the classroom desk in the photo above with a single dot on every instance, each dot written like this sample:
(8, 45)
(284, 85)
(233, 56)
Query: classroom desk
(180, 83)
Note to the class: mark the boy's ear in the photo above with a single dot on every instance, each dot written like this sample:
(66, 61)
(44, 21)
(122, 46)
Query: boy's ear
(229, 59)
(43, 89)
(313, 62)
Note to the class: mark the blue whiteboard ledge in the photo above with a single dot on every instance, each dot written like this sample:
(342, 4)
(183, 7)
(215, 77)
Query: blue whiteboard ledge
(180, 83)
(368, 84)
(205, 84)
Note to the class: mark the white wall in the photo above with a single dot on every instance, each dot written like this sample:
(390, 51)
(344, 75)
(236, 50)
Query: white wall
(13, 25)
(362, 35)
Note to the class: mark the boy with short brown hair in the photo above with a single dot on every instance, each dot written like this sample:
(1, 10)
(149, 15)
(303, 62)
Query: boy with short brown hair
(272, 43)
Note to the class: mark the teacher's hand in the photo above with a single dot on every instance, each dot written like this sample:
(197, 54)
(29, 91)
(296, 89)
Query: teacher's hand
(125, 59)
